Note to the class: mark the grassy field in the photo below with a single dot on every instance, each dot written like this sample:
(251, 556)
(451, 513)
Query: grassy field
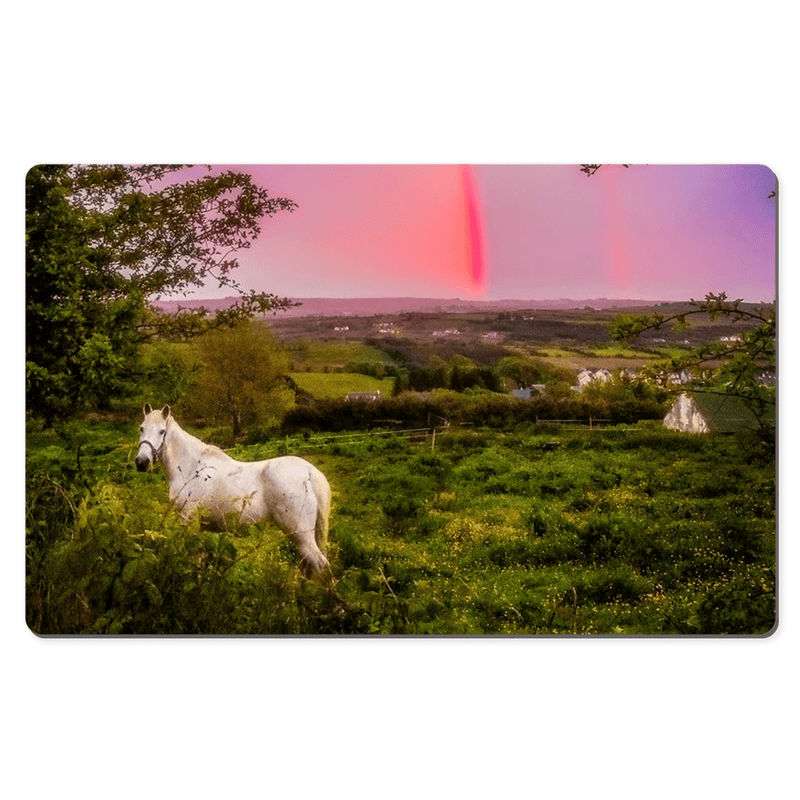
(314, 356)
(542, 531)
(571, 338)
(332, 385)
(507, 525)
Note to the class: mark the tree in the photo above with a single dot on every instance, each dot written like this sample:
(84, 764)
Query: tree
(101, 241)
(590, 169)
(243, 379)
(733, 368)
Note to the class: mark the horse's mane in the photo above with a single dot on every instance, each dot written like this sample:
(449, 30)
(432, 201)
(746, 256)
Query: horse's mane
(211, 450)
(204, 448)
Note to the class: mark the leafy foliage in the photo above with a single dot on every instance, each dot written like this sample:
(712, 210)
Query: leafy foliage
(730, 367)
(481, 408)
(243, 378)
(590, 169)
(101, 241)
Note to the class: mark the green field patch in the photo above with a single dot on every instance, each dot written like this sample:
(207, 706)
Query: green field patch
(615, 350)
(554, 352)
(311, 355)
(330, 385)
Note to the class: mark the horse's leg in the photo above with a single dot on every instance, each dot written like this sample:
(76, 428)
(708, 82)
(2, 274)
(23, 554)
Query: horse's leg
(300, 527)
(291, 500)
(322, 492)
(313, 560)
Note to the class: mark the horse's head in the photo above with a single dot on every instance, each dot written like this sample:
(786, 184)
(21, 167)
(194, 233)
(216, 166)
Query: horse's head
(153, 435)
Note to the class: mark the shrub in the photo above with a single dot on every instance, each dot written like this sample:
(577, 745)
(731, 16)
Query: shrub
(602, 537)
(131, 568)
(404, 491)
(741, 604)
(129, 565)
(542, 519)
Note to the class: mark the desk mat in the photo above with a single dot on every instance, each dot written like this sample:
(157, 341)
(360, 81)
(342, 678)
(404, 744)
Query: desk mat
(533, 400)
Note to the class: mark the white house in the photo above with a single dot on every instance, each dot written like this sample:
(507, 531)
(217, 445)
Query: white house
(704, 413)
(684, 376)
(686, 415)
(602, 375)
(363, 397)
(587, 376)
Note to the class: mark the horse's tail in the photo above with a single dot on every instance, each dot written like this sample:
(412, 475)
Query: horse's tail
(322, 491)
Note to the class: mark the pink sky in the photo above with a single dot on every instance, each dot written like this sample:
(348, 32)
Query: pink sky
(516, 232)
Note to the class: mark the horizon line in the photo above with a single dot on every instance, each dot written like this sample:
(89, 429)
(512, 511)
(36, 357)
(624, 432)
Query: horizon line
(562, 298)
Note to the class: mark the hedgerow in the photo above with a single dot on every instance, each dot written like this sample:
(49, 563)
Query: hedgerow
(487, 409)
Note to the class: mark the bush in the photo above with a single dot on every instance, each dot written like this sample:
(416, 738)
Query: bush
(604, 538)
(742, 604)
(542, 519)
(130, 568)
(477, 407)
(404, 491)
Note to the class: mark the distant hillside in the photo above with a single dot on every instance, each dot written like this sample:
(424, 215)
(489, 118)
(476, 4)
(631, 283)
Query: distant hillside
(368, 306)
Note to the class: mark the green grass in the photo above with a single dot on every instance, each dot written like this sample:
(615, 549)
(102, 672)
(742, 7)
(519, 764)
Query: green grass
(310, 354)
(554, 352)
(616, 350)
(332, 385)
(625, 531)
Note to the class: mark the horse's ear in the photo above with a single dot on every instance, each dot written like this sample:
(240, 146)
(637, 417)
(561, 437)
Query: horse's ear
(165, 412)
(146, 409)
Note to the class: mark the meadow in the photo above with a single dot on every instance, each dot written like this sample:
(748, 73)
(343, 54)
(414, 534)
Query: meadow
(530, 529)
(500, 523)
(329, 385)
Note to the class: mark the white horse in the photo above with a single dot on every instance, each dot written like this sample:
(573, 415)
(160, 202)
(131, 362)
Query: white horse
(288, 491)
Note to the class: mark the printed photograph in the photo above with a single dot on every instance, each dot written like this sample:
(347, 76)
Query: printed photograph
(401, 400)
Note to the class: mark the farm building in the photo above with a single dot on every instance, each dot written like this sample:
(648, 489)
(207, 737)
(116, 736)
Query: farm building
(363, 397)
(710, 412)
(528, 392)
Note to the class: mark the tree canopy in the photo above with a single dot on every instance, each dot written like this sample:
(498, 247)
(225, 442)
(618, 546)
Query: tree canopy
(243, 377)
(101, 243)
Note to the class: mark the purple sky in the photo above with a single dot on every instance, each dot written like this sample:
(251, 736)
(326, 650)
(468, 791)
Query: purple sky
(651, 232)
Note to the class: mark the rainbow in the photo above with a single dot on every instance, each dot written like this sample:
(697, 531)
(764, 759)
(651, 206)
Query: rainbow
(473, 224)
